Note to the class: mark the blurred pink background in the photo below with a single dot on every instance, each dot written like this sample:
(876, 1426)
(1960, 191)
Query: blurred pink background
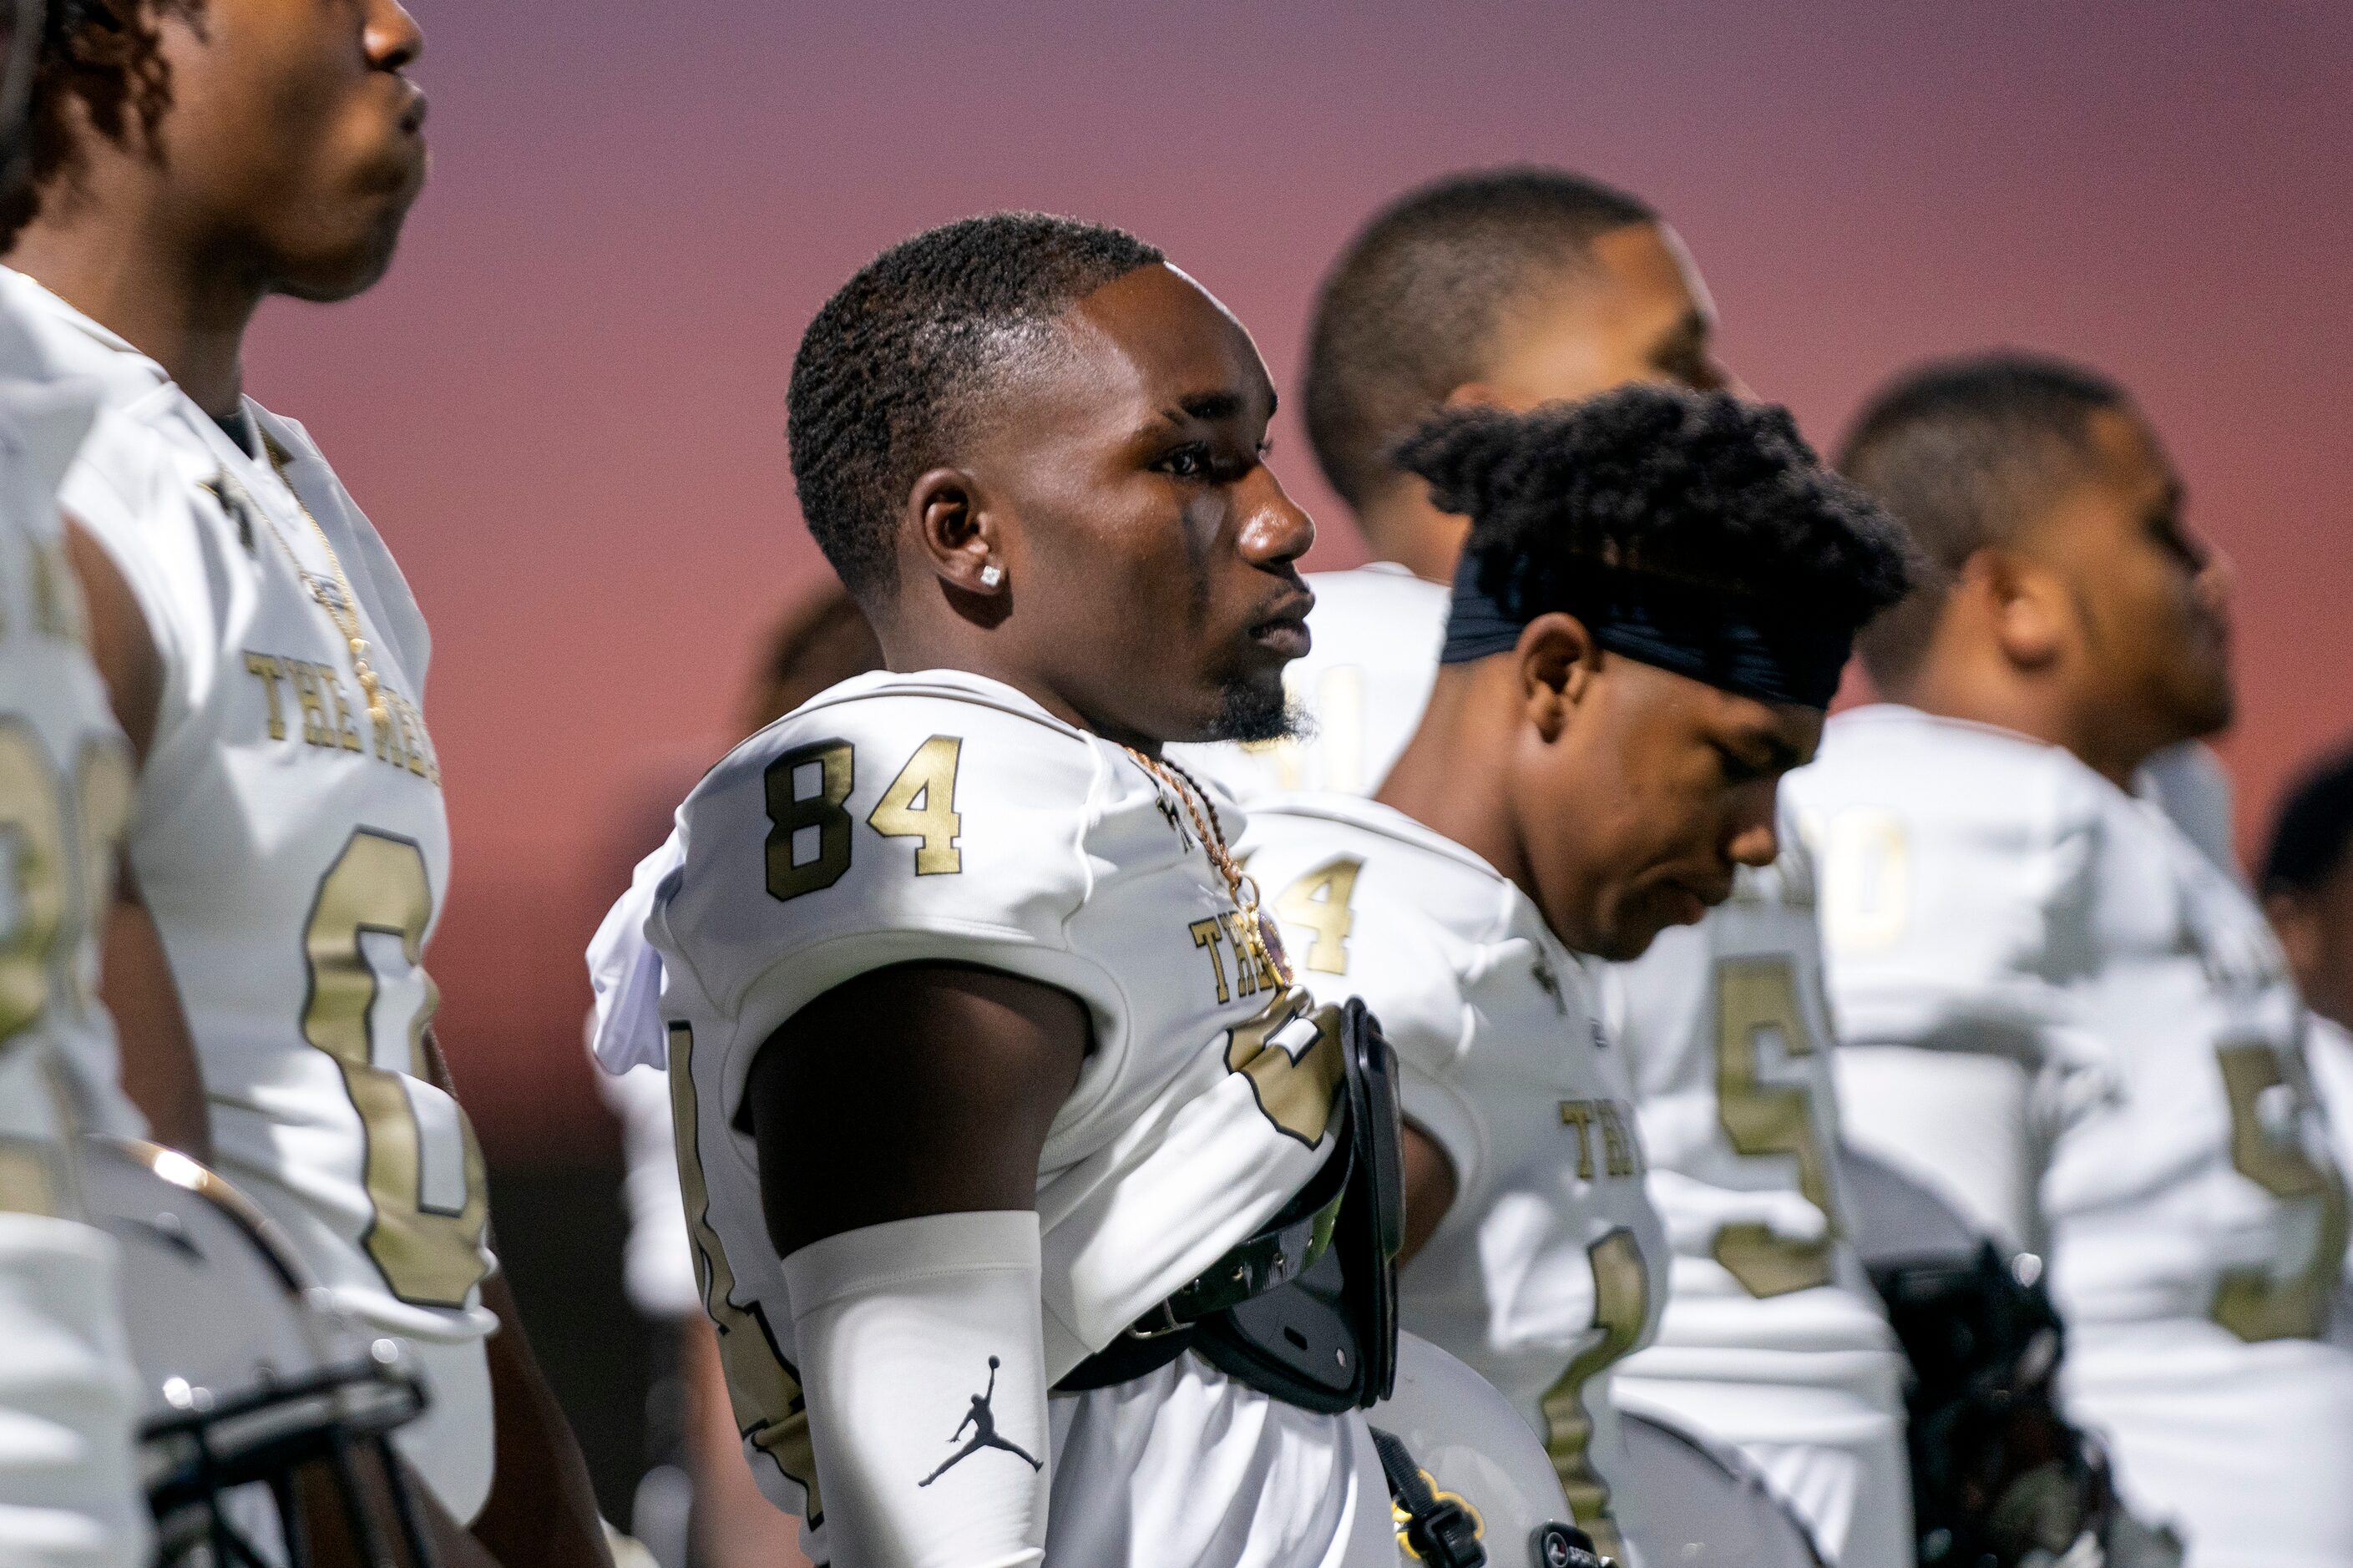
(565, 407)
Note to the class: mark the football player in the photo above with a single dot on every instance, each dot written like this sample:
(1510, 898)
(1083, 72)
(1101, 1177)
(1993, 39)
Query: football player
(1504, 288)
(70, 1492)
(2053, 1006)
(2307, 886)
(1510, 288)
(817, 641)
(1652, 613)
(999, 1117)
(267, 663)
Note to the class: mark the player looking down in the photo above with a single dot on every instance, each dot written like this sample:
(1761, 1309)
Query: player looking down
(1512, 288)
(1652, 609)
(267, 663)
(2056, 1009)
(992, 1092)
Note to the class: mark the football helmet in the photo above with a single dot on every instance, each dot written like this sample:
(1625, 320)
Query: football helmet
(1470, 1482)
(2001, 1478)
(267, 1415)
(1707, 1507)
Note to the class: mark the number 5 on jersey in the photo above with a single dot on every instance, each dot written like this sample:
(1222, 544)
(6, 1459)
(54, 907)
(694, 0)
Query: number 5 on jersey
(811, 829)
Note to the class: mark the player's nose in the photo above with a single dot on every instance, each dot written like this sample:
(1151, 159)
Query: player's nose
(1275, 528)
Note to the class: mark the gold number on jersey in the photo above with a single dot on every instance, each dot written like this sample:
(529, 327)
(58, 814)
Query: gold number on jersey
(930, 777)
(1318, 904)
(1754, 997)
(429, 1255)
(2253, 1304)
(33, 825)
(1621, 1305)
(817, 814)
(62, 872)
(61, 878)
(761, 1385)
(1295, 1093)
(1867, 880)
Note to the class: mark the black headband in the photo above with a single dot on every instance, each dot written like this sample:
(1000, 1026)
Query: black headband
(1675, 628)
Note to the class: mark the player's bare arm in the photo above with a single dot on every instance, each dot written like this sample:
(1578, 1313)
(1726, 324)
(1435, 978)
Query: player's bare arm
(159, 1057)
(917, 1091)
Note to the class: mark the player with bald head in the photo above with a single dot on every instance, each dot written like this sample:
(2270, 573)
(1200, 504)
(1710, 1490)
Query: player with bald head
(2057, 1009)
(1000, 1119)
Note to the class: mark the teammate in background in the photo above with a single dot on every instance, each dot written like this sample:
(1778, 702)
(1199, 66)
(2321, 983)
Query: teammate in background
(819, 640)
(2307, 886)
(1503, 288)
(1655, 603)
(973, 1105)
(267, 663)
(2055, 1007)
(1510, 288)
(71, 1494)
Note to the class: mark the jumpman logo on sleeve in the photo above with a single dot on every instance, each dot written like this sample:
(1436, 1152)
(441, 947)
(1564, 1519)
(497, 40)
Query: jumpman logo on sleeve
(982, 1420)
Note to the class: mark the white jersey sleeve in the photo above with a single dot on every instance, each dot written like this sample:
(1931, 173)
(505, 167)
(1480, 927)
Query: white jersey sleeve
(1550, 1266)
(942, 817)
(1772, 1339)
(2036, 963)
(1376, 634)
(70, 1493)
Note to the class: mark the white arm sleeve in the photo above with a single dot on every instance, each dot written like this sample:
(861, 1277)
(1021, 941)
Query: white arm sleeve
(1959, 1123)
(924, 1366)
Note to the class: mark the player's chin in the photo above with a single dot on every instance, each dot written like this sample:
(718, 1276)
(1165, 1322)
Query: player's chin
(1250, 706)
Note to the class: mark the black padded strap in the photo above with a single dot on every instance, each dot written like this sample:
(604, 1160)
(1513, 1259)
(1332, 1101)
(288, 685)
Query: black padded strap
(1441, 1533)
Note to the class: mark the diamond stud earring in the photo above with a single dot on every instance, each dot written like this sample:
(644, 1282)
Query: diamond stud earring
(991, 575)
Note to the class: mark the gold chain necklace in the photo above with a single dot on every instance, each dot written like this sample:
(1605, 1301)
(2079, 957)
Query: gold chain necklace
(1256, 934)
(342, 606)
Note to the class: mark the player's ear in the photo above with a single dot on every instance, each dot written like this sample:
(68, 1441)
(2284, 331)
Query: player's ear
(2030, 612)
(1558, 660)
(956, 536)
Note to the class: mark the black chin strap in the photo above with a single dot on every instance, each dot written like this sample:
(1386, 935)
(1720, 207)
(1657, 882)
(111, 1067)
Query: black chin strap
(1442, 1533)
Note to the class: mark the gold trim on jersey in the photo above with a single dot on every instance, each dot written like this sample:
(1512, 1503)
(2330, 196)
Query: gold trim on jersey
(763, 1386)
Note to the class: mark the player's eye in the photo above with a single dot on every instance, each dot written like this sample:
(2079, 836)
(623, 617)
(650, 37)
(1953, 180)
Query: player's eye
(1188, 462)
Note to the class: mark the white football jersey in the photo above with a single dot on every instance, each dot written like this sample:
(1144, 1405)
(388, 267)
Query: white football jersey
(294, 852)
(69, 1490)
(1551, 1265)
(2057, 1009)
(943, 816)
(1376, 635)
(1773, 1340)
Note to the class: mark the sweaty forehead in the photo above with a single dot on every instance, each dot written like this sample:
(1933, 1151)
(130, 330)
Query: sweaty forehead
(1159, 340)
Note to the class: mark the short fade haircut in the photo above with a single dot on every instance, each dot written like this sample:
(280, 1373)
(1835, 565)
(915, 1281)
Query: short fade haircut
(1964, 453)
(1411, 309)
(2311, 839)
(892, 370)
(1696, 489)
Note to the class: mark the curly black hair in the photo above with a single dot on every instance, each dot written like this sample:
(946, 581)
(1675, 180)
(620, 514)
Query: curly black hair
(891, 367)
(1410, 308)
(1700, 490)
(1963, 453)
(2313, 837)
(106, 55)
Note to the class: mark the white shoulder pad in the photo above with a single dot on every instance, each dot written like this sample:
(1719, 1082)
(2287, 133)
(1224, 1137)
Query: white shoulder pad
(1955, 869)
(896, 818)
